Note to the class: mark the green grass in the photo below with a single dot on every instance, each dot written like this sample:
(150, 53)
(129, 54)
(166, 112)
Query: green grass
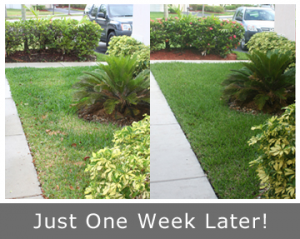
(241, 55)
(16, 14)
(154, 15)
(217, 134)
(100, 57)
(58, 139)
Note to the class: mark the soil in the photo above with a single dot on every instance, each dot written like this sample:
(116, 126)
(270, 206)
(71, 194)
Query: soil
(187, 54)
(250, 108)
(96, 113)
(48, 55)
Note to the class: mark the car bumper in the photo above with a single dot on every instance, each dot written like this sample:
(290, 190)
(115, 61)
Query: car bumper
(122, 33)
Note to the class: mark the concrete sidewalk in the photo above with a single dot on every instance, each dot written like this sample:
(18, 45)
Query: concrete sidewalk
(21, 180)
(175, 171)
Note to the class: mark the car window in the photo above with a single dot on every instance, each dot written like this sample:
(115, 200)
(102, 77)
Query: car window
(95, 10)
(240, 13)
(259, 15)
(120, 10)
(103, 9)
(88, 7)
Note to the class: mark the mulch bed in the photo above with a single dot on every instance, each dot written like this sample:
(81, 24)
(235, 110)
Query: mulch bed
(96, 113)
(49, 55)
(186, 54)
(72, 8)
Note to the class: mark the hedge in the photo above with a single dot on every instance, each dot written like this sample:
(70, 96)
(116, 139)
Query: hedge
(208, 34)
(125, 46)
(67, 36)
(198, 7)
(267, 41)
(123, 171)
(276, 164)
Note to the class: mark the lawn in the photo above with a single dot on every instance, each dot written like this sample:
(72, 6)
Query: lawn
(241, 55)
(16, 13)
(217, 134)
(60, 142)
(154, 15)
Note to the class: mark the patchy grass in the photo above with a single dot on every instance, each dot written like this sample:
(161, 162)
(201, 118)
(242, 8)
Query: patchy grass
(217, 134)
(58, 139)
(100, 57)
(154, 15)
(241, 55)
(16, 14)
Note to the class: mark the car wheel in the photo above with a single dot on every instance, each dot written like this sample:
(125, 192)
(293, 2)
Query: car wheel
(110, 35)
(243, 45)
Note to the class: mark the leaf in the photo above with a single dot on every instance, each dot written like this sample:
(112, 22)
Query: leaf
(74, 145)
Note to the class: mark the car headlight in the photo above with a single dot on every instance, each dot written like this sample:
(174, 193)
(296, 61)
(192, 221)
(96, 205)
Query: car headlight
(252, 28)
(125, 27)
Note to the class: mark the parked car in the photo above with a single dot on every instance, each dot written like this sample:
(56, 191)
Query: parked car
(87, 9)
(254, 20)
(114, 19)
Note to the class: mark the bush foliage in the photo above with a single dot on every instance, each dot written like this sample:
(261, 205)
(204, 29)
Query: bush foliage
(264, 81)
(115, 86)
(267, 41)
(276, 164)
(67, 35)
(128, 46)
(124, 170)
(208, 34)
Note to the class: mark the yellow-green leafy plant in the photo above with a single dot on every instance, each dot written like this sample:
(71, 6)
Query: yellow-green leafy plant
(276, 164)
(128, 46)
(123, 171)
(267, 41)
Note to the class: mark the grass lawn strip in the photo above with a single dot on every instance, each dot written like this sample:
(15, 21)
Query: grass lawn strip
(59, 141)
(217, 134)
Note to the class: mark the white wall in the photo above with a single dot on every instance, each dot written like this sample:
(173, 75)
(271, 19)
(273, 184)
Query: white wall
(156, 7)
(141, 23)
(285, 17)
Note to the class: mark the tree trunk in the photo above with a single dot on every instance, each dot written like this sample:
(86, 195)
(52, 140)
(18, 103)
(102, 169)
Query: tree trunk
(166, 10)
(5, 12)
(23, 12)
(69, 9)
(202, 10)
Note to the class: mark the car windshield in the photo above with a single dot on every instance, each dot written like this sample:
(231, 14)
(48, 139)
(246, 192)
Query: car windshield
(259, 15)
(120, 10)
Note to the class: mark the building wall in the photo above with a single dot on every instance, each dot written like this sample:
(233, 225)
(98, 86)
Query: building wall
(141, 26)
(156, 7)
(285, 19)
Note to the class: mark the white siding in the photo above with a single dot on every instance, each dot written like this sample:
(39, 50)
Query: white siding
(285, 16)
(156, 7)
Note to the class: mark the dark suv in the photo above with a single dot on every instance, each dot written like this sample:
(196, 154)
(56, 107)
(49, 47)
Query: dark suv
(114, 19)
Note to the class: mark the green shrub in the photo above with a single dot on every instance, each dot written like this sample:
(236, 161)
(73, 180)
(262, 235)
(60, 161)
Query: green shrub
(264, 81)
(124, 170)
(115, 86)
(208, 34)
(267, 41)
(13, 36)
(41, 7)
(68, 35)
(128, 46)
(276, 164)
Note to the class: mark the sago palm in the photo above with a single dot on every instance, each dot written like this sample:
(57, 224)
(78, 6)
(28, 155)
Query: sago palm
(115, 86)
(264, 80)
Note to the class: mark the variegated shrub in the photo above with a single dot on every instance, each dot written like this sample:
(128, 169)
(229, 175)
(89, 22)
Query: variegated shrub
(122, 172)
(276, 164)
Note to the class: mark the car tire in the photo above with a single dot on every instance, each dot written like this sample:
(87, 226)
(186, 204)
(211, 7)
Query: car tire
(243, 45)
(110, 35)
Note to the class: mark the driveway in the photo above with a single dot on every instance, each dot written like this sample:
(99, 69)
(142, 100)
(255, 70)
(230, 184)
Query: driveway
(65, 11)
(101, 48)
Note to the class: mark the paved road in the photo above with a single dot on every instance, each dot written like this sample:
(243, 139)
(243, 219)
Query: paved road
(64, 11)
